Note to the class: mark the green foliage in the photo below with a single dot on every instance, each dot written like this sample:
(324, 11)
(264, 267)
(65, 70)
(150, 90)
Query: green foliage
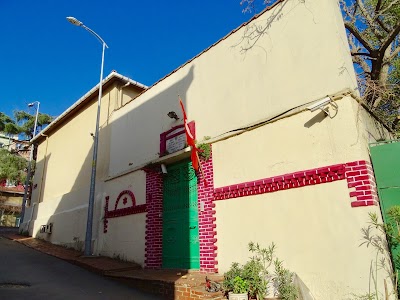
(240, 285)
(256, 272)
(12, 166)
(230, 276)
(253, 271)
(286, 288)
(205, 149)
(23, 232)
(4, 121)
(27, 122)
(380, 237)
(259, 264)
(23, 123)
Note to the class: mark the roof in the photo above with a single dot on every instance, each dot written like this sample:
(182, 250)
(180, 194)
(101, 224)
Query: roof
(12, 190)
(85, 99)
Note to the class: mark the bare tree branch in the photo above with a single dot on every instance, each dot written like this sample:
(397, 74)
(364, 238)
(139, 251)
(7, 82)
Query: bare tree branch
(345, 9)
(395, 52)
(378, 6)
(384, 27)
(369, 19)
(357, 59)
(361, 54)
(358, 35)
(390, 38)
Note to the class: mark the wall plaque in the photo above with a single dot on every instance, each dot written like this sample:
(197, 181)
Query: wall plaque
(174, 139)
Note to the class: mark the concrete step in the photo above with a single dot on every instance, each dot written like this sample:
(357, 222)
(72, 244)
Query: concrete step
(201, 293)
(170, 284)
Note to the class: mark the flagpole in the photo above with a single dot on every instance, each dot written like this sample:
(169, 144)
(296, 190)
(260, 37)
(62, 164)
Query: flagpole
(191, 142)
(201, 169)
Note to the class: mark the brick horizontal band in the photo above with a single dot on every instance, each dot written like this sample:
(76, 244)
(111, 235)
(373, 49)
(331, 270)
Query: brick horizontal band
(124, 211)
(359, 174)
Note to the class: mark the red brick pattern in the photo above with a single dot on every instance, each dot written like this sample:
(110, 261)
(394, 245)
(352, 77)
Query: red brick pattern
(124, 211)
(189, 293)
(207, 226)
(282, 182)
(154, 197)
(359, 174)
(360, 177)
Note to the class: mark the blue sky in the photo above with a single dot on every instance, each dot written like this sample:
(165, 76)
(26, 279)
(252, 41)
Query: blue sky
(45, 58)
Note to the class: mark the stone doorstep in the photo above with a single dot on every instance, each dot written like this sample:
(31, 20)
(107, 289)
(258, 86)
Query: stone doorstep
(169, 285)
(201, 293)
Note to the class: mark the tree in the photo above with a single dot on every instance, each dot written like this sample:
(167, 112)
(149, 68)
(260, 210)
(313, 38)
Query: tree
(4, 121)
(27, 122)
(373, 28)
(12, 167)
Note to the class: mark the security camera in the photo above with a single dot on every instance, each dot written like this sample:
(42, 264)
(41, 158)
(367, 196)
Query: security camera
(164, 169)
(319, 104)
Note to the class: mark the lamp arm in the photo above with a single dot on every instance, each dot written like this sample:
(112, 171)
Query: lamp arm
(95, 34)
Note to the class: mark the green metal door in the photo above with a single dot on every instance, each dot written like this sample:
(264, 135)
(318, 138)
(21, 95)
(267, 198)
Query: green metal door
(180, 218)
(386, 161)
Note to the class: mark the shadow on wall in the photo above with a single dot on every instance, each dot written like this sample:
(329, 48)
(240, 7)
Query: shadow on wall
(67, 209)
(318, 118)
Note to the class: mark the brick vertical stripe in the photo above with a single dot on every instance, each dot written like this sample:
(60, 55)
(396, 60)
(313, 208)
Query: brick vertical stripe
(360, 176)
(207, 227)
(154, 197)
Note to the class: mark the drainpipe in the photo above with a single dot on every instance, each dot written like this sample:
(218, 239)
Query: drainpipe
(41, 182)
(120, 92)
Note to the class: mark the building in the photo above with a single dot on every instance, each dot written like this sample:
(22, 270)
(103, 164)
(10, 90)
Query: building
(280, 171)
(14, 143)
(10, 205)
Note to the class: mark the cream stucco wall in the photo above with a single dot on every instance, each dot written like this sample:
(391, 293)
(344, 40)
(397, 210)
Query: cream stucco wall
(125, 235)
(303, 141)
(62, 177)
(303, 56)
(317, 233)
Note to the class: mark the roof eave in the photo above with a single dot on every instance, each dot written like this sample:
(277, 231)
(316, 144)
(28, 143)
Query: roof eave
(84, 99)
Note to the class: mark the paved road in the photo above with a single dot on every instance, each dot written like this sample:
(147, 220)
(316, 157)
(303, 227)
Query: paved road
(51, 278)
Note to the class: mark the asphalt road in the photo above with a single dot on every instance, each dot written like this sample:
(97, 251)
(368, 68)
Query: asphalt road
(48, 278)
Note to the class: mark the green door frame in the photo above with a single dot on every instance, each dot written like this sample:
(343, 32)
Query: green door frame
(180, 237)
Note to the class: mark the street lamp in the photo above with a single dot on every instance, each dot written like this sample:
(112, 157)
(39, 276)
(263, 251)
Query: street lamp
(89, 223)
(28, 175)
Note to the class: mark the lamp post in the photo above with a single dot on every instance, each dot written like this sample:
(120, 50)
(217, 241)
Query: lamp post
(28, 175)
(89, 223)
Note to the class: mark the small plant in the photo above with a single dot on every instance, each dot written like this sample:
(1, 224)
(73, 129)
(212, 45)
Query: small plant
(24, 232)
(205, 149)
(240, 285)
(78, 244)
(257, 273)
(120, 257)
(229, 277)
(286, 288)
(382, 237)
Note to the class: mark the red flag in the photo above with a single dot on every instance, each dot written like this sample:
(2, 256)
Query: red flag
(190, 139)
